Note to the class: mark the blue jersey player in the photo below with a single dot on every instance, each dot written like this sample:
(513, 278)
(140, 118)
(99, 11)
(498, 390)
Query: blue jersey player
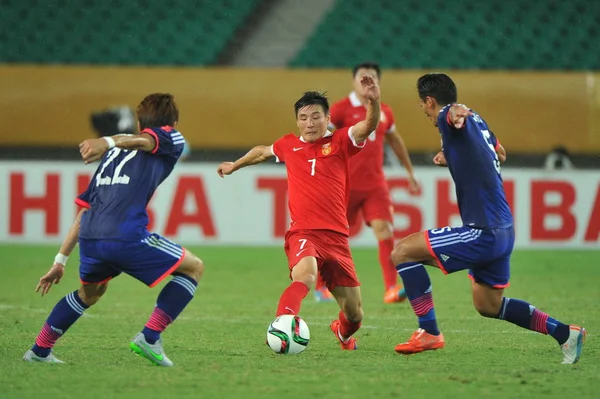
(483, 244)
(112, 234)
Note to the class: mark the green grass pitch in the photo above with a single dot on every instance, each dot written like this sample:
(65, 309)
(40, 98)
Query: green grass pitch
(218, 342)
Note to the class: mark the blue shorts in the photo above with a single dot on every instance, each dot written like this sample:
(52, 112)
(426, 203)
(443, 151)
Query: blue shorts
(149, 260)
(485, 253)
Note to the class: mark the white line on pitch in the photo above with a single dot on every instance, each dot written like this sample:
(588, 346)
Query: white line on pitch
(312, 321)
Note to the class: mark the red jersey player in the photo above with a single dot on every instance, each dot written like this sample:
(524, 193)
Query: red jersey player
(317, 164)
(369, 194)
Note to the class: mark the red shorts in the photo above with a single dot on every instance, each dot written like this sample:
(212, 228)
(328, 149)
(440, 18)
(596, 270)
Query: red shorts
(332, 251)
(373, 204)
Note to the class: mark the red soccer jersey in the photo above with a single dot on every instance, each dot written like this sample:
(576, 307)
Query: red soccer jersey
(366, 168)
(317, 175)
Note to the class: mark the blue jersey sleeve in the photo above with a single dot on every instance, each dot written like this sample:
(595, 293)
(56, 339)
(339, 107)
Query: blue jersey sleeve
(169, 142)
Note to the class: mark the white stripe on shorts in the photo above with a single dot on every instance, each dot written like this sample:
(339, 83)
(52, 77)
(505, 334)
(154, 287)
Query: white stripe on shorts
(153, 242)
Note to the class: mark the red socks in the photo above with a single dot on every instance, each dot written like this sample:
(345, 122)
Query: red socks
(291, 299)
(390, 275)
(347, 328)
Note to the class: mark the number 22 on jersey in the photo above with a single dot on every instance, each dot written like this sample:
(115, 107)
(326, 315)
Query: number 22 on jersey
(117, 177)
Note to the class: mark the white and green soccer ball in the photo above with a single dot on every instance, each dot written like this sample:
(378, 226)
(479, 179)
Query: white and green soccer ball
(288, 335)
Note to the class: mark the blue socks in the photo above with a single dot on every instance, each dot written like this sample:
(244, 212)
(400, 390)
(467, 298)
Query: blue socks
(418, 290)
(527, 316)
(171, 301)
(64, 315)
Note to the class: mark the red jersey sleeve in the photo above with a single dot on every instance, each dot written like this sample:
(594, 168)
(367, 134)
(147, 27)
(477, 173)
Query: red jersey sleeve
(347, 141)
(391, 122)
(337, 113)
(278, 148)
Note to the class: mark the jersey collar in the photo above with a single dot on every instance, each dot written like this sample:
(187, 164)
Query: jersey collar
(354, 100)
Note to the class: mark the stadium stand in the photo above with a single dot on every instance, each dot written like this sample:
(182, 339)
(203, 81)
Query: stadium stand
(463, 34)
(191, 32)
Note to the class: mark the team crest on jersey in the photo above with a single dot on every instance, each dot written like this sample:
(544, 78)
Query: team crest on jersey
(382, 116)
(326, 149)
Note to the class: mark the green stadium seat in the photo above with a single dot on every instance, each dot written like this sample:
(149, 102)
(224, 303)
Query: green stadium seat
(465, 34)
(136, 32)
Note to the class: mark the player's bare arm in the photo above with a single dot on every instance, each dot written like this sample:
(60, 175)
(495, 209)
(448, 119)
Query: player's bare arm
(57, 270)
(395, 141)
(93, 149)
(258, 154)
(501, 152)
(362, 129)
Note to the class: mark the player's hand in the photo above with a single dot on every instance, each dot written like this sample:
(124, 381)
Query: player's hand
(370, 88)
(52, 277)
(225, 169)
(458, 115)
(92, 149)
(440, 159)
(413, 185)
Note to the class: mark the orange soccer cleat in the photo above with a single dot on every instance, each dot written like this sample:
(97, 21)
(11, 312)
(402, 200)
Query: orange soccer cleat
(421, 341)
(395, 294)
(349, 344)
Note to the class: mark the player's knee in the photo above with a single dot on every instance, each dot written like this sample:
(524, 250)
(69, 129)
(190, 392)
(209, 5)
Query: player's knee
(193, 267)
(306, 272)
(308, 279)
(401, 253)
(382, 230)
(91, 293)
(486, 308)
(354, 313)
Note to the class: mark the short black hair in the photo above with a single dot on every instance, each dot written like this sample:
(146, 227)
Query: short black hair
(439, 86)
(312, 98)
(367, 65)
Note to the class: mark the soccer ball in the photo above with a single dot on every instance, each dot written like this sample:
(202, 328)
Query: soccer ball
(288, 334)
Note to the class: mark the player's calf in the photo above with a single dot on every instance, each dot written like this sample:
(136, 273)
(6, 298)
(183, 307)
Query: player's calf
(65, 313)
(570, 337)
(304, 275)
(171, 301)
(350, 316)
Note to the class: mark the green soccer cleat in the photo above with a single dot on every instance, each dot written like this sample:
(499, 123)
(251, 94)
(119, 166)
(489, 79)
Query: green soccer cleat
(153, 352)
(31, 357)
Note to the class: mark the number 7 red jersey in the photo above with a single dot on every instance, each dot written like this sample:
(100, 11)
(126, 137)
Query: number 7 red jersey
(318, 179)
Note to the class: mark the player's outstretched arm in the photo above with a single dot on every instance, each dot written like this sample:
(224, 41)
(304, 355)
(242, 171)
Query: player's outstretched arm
(363, 129)
(58, 268)
(93, 149)
(258, 154)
